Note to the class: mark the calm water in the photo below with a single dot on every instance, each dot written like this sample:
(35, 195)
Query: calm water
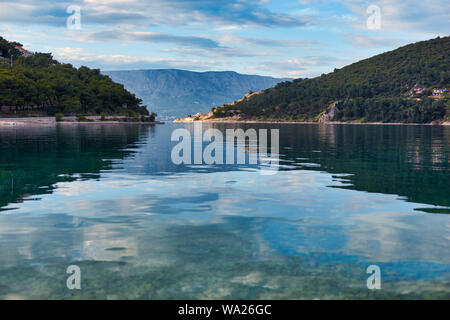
(108, 199)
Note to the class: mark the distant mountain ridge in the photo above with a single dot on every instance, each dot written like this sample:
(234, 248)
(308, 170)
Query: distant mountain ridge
(175, 93)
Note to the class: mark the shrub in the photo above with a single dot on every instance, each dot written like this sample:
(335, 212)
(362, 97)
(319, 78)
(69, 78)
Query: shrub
(81, 118)
(59, 117)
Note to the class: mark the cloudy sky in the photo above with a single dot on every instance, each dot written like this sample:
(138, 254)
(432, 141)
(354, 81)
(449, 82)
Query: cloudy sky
(283, 38)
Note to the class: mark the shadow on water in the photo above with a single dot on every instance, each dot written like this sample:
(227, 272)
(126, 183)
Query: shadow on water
(33, 159)
(409, 161)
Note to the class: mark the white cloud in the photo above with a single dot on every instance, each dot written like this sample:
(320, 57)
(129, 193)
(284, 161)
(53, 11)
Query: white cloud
(406, 16)
(234, 34)
(299, 67)
(161, 12)
(367, 41)
(230, 39)
(79, 56)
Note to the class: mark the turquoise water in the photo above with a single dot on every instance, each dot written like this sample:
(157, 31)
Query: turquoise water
(108, 199)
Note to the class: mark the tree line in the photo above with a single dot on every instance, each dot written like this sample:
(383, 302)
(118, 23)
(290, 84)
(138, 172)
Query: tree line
(375, 89)
(41, 84)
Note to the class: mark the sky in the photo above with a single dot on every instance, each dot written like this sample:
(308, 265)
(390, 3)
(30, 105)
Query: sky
(280, 38)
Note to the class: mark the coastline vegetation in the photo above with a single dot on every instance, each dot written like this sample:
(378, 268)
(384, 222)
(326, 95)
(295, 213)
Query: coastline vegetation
(59, 117)
(39, 85)
(397, 86)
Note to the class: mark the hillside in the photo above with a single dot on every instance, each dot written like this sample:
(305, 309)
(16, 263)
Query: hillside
(179, 92)
(405, 85)
(39, 85)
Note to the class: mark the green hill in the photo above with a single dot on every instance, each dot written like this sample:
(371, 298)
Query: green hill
(38, 84)
(383, 88)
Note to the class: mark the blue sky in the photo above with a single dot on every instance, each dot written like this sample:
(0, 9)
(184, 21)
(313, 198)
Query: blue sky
(297, 38)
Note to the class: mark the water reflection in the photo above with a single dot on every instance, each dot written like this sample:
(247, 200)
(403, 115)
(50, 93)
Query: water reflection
(33, 158)
(142, 228)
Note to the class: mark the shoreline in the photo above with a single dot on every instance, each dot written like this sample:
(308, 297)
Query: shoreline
(444, 123)
(51, 121)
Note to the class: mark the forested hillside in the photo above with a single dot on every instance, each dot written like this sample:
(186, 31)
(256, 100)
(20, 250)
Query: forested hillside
(405, 85)
(38, 84)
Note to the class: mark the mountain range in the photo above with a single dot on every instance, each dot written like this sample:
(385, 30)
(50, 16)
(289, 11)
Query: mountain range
(174, 93)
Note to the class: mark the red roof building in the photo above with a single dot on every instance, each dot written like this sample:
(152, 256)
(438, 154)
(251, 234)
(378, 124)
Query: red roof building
(24, 52)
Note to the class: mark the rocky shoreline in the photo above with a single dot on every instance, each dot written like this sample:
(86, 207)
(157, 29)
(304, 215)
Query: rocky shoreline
(234, 120)
(325, 118)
